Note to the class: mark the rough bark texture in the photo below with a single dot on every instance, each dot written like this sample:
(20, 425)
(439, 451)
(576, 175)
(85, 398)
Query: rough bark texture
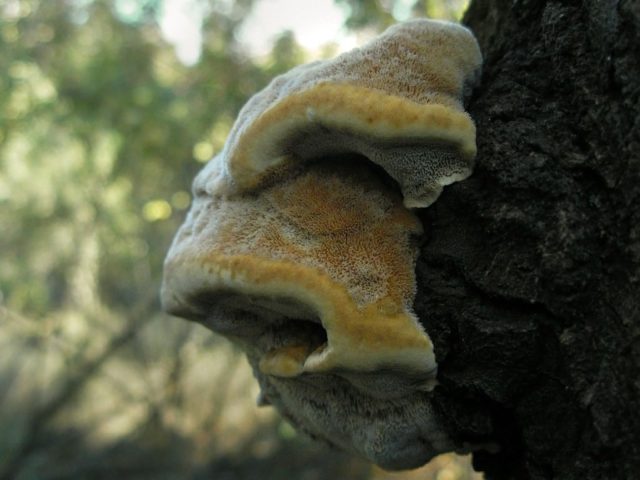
(530, 278)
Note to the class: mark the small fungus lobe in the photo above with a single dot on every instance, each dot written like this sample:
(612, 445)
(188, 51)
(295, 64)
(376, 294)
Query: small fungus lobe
(397, 101)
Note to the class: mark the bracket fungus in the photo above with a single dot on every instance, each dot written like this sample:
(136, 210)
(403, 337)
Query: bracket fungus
(301, 243)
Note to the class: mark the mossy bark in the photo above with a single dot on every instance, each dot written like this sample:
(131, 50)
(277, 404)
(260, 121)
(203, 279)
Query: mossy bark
(529, 280)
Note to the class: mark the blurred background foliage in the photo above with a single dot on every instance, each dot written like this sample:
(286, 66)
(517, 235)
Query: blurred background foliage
(102, 128)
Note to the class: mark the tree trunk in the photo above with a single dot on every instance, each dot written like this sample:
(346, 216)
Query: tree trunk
(529, 281)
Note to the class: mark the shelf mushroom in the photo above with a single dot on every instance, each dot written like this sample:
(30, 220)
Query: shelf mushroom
(398, 101)
(301, 243)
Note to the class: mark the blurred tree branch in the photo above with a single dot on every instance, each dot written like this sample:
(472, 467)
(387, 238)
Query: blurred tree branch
(77, 378)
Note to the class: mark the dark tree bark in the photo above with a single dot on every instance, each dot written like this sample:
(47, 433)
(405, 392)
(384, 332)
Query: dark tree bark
(530, 278)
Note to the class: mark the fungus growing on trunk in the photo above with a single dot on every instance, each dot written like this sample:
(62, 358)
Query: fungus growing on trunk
(301, 248)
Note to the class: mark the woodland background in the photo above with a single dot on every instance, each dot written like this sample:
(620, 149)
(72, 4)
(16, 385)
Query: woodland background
(102, 129)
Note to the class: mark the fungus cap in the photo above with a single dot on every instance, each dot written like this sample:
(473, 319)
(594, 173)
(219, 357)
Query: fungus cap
(397, 101)
(331, 245)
